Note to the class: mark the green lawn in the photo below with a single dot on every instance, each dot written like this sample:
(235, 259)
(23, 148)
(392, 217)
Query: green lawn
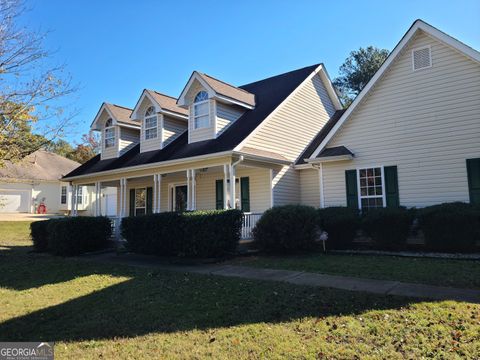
(455, 273)
(110, 311)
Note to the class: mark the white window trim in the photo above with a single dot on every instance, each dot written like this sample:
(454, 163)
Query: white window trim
(429, 54)
(135, 201)
(145, 128)
(172, 194)
(195, 115)
(113, 136)
(382, 173)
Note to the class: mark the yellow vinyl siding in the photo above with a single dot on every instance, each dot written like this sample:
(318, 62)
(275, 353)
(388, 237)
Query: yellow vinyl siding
(112, 151)
(310, 187)
(290, 130)
(226, 115)
(427, 122)
(205, 133)
(154, 143)
(128, 139)
(286, 186)
(172, 128)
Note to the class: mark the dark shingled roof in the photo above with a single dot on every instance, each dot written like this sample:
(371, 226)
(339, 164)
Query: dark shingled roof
(317, 140)
(269, 93)
(334, 151)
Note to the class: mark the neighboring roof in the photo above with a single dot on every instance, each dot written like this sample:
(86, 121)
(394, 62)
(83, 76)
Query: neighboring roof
(167, 102)
(230, 91)
(418, 25)
(269, 94)
(121, 114)
(317, 140)
(40, 165)
(334, 151)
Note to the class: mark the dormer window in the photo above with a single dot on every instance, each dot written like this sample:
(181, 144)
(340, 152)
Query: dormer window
(150, 123)
(201, 113)
(109, 134)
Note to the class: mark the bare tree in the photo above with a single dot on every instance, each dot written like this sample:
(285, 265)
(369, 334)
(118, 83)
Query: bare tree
(29, 89)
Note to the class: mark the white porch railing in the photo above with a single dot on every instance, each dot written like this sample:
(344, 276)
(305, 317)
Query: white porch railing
(115, 222)
(249, 222)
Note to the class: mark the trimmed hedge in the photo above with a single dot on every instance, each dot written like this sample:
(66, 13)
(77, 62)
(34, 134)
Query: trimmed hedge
(450, 227)
(341, 224)
(388, 227)
(288, 228)
(201, 234)
(39, 235)
(77, 235)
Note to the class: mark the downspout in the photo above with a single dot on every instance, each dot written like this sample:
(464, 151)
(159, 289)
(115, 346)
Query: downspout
(319, 167)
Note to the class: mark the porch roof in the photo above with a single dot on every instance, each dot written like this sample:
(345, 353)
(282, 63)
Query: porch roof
(269, 94)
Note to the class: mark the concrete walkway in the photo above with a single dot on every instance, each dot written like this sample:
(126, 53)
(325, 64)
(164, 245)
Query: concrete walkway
(383, 287)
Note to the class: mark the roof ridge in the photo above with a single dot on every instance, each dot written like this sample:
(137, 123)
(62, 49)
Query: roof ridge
(223, 82)
(285, 73)
(163, 94)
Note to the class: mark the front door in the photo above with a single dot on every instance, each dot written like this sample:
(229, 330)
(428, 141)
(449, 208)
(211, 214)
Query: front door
(180, 198)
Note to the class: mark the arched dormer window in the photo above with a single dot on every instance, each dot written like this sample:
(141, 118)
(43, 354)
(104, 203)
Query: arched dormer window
(150, 123)
(201, 111)
(109, 134)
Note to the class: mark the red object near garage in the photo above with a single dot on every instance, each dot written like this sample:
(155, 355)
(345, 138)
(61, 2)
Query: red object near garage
(42, 209)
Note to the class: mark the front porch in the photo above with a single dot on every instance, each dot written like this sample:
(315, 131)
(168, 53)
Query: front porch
(188, 189)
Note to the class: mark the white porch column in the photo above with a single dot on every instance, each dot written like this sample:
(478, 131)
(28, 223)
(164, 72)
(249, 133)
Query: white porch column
(194, 190)
(74, 200)
(98, 199)
(189, 191)
(225, 185)
(123, 197)
(232, 186)
(157, 186)
(75, 209)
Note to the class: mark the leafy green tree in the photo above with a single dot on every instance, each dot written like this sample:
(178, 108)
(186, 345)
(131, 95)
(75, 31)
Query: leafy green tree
(357, 70)
(60, 147)
(29, 89)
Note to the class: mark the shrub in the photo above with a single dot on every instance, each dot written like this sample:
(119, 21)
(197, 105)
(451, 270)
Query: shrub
(388, 227)
(190, 234)
(76, 235)
(450, 227)
(341, 224)
(39, 234)
(287, 228)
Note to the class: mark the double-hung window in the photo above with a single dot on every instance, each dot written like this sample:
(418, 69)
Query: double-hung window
(80, 195)
(201, 112)
(140, 201)
(63, 195)
(371, 188)
(109, 134)
(150, 123)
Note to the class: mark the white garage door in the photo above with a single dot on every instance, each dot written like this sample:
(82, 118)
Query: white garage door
(14, 201)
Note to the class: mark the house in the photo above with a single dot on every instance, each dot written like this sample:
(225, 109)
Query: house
(33, 185)
(410, 138)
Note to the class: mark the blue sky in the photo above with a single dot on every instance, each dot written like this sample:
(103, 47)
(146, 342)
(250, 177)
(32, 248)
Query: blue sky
(114, 49)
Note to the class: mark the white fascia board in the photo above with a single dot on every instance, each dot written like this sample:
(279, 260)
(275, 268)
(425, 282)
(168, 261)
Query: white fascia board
(329, 159)
(330, 88)
(144, 95)
(152, 165)
(417, 25)
(228, 100)
(173, 114)
(99, 113)
(193, 77)
(130, 126)
(267, 159)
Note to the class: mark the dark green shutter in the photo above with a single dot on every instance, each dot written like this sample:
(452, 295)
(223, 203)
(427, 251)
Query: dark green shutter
(245, 193)
(132, 202)
(219, 194)
(352, 191)
(391, 186)
(473, 172)
(149, 200)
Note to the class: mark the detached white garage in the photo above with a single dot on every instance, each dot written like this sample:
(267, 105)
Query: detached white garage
(33, 184)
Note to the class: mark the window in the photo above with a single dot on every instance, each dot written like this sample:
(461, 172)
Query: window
(201, 113)
(80, 195)
(371, 188)
(109, 134)
(150, 123)
(140, 201)
(63, 195)
(421, 58)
